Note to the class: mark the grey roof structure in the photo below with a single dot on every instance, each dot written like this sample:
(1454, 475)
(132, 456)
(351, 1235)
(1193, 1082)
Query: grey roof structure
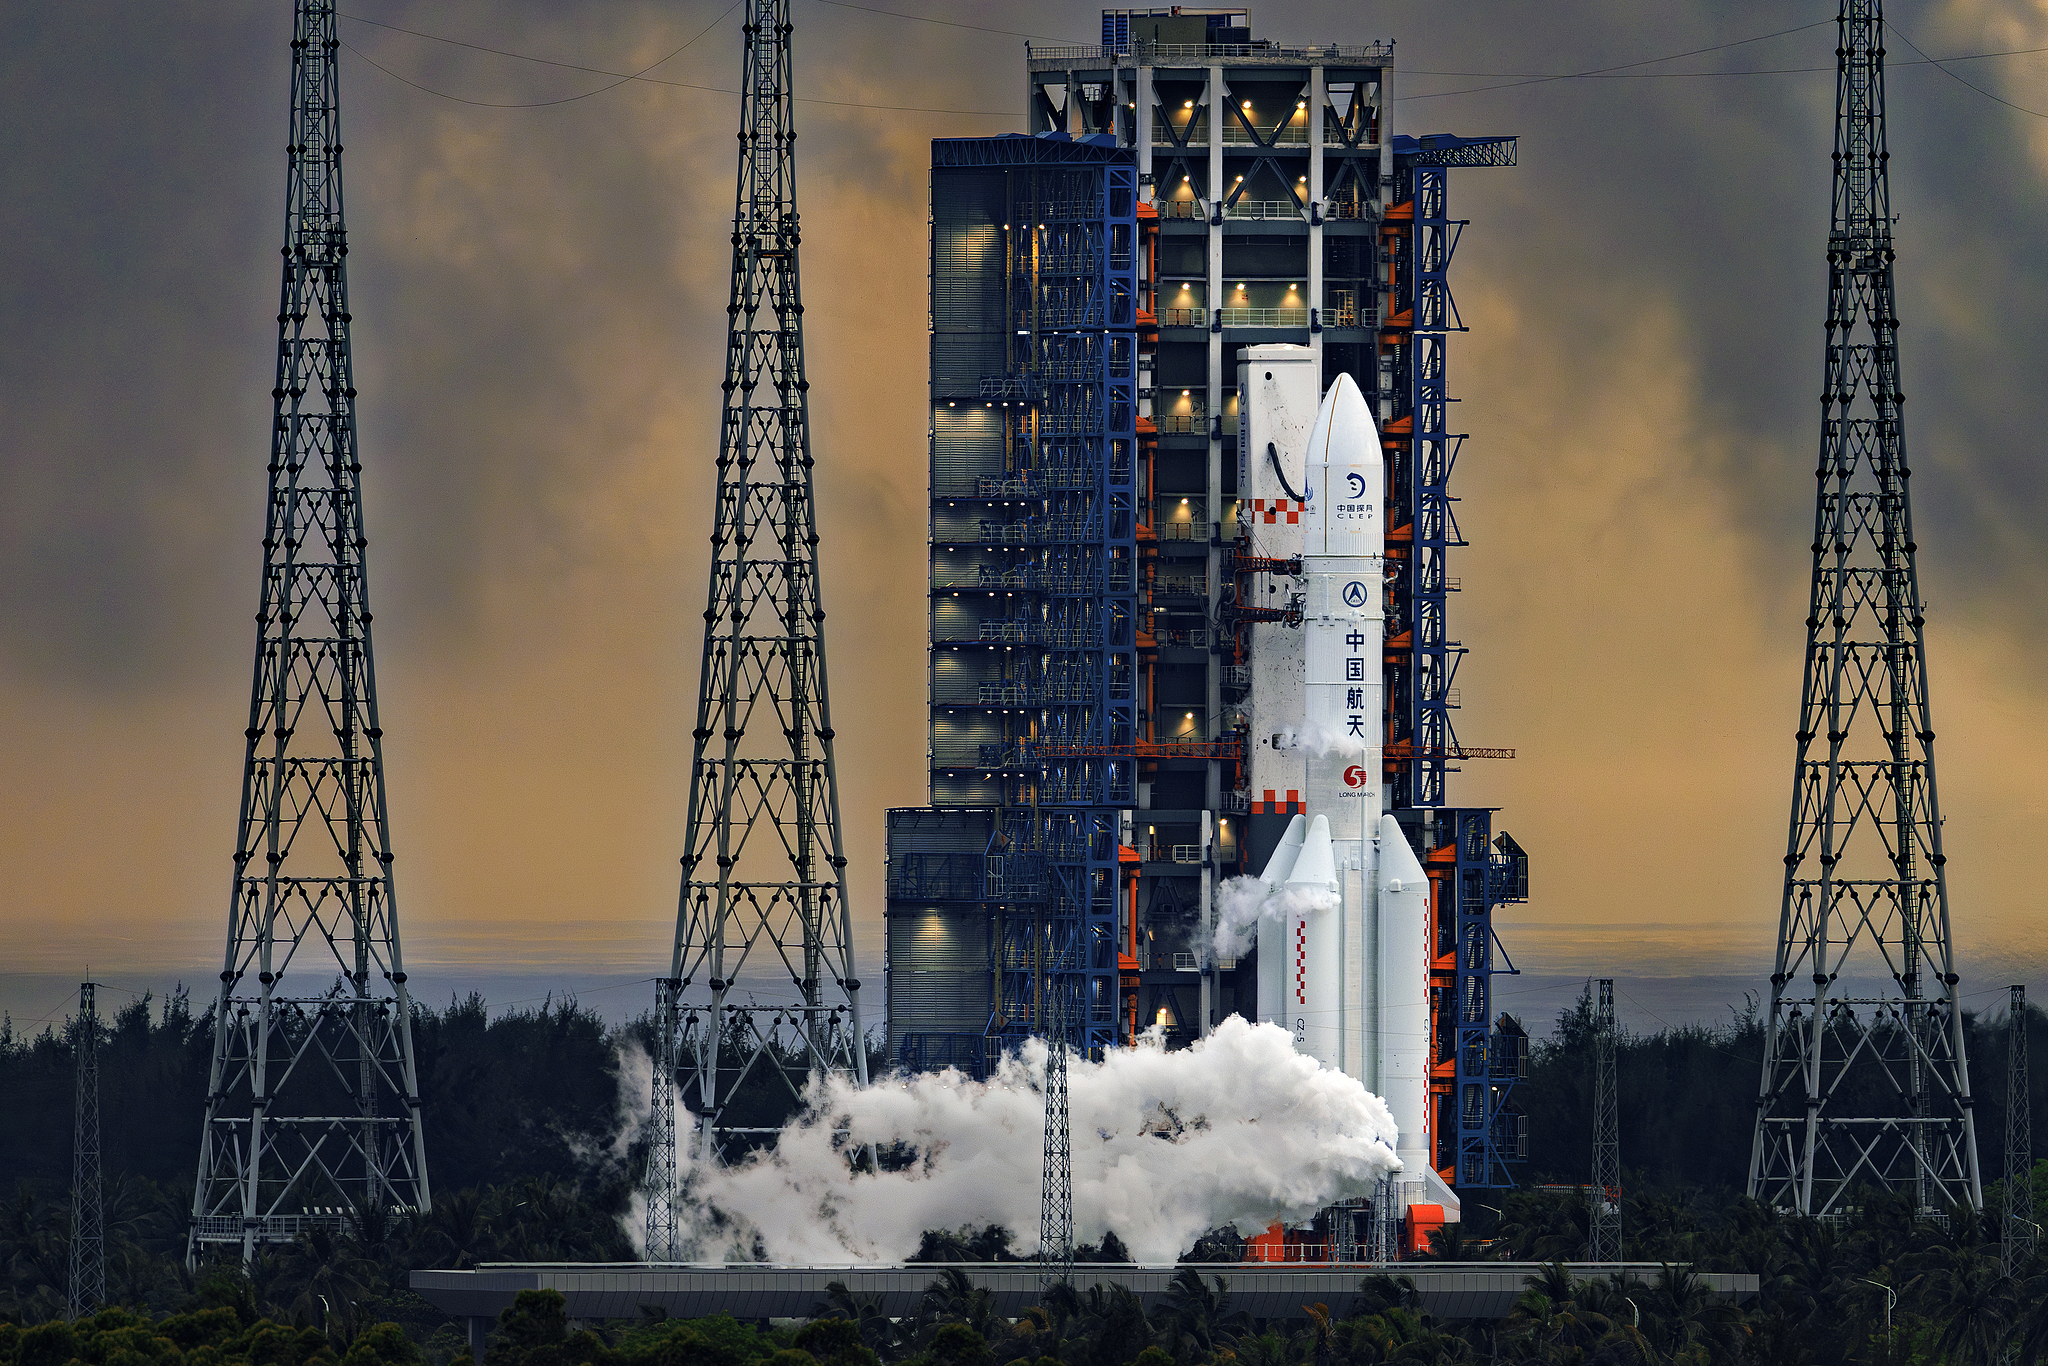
(623, 1290)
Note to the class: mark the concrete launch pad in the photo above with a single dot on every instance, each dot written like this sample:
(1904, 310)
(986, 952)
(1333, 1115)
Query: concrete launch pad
(625, 1290)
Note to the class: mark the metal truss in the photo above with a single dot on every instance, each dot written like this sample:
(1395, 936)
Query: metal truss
(1422, 454)
(1056, 1181)
(1604, 1191)
(88, 1285)
(764, 868)
(2020, 1235)
(1434, 318)
(1481, 1132)
(313, 1107)
(1447, 149)
(1864, 1090)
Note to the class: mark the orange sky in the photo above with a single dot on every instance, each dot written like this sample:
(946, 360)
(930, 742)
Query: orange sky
(539, 298)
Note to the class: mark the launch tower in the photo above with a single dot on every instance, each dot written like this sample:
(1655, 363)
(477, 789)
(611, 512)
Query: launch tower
(1185, 191)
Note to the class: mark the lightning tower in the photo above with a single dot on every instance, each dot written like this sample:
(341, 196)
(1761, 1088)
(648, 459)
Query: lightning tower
(313, 1107)
(2021, 1234)
(1056, 1187)
(764, 872)
(88, 1221)
(1864, 1079)
(1604, 1225)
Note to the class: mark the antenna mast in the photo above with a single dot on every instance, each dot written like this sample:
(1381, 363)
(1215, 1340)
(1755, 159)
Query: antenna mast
(88, 1221)
(1605, 1193)
(2021, 1232)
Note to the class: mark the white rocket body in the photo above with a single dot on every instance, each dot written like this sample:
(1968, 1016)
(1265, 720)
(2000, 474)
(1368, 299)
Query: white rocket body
(1403, 973)
(1351, 955)
(1273, 966)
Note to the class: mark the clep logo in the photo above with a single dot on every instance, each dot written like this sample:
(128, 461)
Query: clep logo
(1354, 776)
(1357, 484)
(1354, 594)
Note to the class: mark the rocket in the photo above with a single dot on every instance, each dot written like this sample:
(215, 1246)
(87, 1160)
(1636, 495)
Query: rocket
(1343, 952)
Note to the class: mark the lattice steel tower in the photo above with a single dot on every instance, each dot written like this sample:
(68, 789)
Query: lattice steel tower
(764, 872)
(1604, 1194)
(1056, 1178)
(314, 1103)
(88, 1219)
(2019, 1235)
(1867, 1088)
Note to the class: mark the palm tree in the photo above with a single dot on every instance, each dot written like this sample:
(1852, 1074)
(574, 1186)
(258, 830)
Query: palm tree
(1973, 1300)
(1548, 1319)
(1398, 1334)
(953, 1298)
(456, 1235)
(1685, 1315)
(1195, 1316)
(877, 1330)
(318, 1281)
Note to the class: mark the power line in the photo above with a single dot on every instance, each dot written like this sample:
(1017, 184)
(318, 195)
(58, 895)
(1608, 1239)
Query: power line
(624, 76)
(1623, 66)
(949, 23)
(1624, 74)
(1624, 71)
(1753, 71)
(1952, 75)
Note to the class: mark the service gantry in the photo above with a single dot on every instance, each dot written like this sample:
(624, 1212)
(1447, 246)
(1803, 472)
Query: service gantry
(1183, 190)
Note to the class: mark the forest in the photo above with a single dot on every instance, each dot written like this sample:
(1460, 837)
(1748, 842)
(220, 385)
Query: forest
(523, 1110)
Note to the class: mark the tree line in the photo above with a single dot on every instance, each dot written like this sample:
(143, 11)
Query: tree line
(524, 1121)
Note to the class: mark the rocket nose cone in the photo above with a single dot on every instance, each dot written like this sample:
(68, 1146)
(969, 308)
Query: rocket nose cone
(1398, 864)
(1316, 868)
(1285, 853)
(1344, 424)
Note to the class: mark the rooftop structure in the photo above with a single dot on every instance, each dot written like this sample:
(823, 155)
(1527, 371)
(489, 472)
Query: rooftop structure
(753, 1290)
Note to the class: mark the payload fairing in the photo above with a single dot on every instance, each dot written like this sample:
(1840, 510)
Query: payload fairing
(1343, 943)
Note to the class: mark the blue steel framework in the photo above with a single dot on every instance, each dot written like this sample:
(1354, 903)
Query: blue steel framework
(1477, 1060)
(1039, 531)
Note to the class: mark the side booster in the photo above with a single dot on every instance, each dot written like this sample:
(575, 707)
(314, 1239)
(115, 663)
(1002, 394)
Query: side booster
(1344, 964)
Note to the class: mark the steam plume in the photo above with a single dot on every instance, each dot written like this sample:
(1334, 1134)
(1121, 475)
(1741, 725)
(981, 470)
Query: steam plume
(1239, 1129)
(1242, 901)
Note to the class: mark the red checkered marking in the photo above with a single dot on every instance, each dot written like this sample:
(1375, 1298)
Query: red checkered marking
(1271, 805)
(1301, 962)
(1271, 510)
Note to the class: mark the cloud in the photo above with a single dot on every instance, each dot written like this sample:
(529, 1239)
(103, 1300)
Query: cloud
(539, 315)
